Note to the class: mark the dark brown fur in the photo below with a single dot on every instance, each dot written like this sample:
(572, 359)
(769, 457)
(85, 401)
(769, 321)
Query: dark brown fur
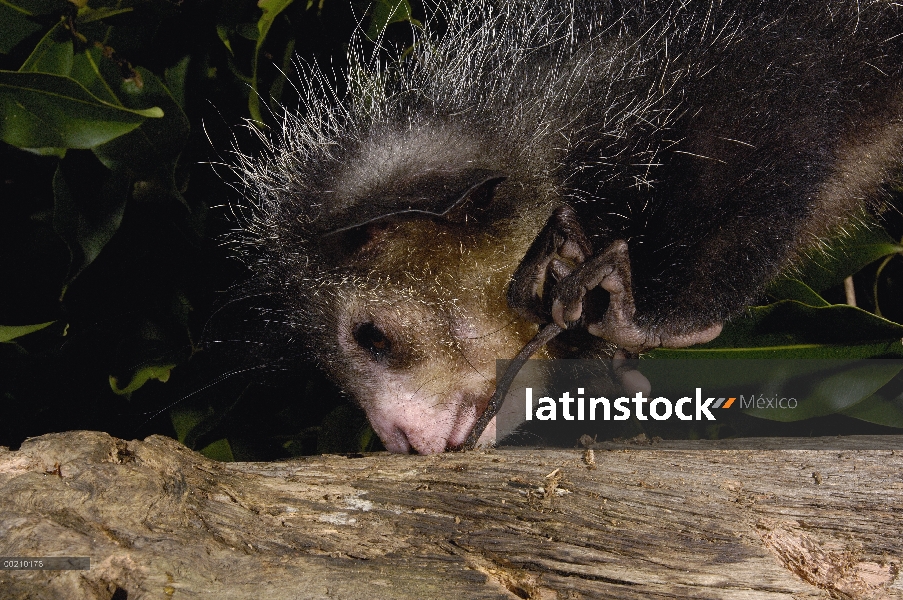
(700, 149)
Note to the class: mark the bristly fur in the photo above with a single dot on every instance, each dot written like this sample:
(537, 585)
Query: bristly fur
(719, 140)
(583, 99)
(441, 90)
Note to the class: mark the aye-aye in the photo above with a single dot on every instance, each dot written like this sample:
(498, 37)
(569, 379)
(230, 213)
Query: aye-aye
(638, 170)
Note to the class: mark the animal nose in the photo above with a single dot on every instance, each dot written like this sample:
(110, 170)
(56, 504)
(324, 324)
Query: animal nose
(409, 438)
(434, 438)
(431, 433)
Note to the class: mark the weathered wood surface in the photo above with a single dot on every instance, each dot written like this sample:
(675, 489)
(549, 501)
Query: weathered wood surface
(159, 521)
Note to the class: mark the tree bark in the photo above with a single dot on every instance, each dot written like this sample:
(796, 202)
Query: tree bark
(694, 521)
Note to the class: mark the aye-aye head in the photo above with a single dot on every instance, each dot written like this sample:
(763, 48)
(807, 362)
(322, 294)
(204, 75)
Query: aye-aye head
(416, 325)
(386, 221)
(394, 267)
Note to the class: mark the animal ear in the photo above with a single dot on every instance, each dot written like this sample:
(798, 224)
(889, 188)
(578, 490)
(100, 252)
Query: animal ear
(474, 201)
(431, 195)
(556, 252)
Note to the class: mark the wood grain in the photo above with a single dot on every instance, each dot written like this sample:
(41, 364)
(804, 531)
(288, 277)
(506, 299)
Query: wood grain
(691, 521)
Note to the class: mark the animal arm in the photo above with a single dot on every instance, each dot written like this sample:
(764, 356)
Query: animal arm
(560, 258)
(558, 271)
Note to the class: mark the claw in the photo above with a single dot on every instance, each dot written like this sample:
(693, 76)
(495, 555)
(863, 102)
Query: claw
(611, 271)
(552, 281)
(556, 253)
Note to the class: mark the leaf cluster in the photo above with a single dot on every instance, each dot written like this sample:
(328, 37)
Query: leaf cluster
(111, 113)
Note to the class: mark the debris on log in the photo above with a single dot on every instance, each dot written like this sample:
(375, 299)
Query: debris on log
(157, 520)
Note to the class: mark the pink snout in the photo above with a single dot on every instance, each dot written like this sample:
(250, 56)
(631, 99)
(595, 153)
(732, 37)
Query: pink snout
(413, 426)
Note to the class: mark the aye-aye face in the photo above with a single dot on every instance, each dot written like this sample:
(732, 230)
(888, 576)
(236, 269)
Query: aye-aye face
(418, 331)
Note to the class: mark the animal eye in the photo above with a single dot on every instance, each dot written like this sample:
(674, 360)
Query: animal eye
(371, 338)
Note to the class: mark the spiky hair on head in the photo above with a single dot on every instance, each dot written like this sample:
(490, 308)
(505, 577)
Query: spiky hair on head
(610, 106)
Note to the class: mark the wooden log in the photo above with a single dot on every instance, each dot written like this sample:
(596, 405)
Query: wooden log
(160, 521)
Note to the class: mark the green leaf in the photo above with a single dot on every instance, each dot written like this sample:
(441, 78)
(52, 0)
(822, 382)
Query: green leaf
(792, 330)
(88, 15)
(14, 27)
(832, 393)
(150, 151)
(789, 329)
(879, 410)
(386, 12)
(99, 74)
(41, 110)
(37, 7)
(185, 420)
(191, 423)
(279, 83)
(219, 450)
(230, 15)
(847, 255)
(249, 31)
(88, 219)
(223, 33)
(53, 54)
(57, 152)
(271, 10)
(174, 78)
(794, 289)
(158, 372)
(11, 332)
(368, 439)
